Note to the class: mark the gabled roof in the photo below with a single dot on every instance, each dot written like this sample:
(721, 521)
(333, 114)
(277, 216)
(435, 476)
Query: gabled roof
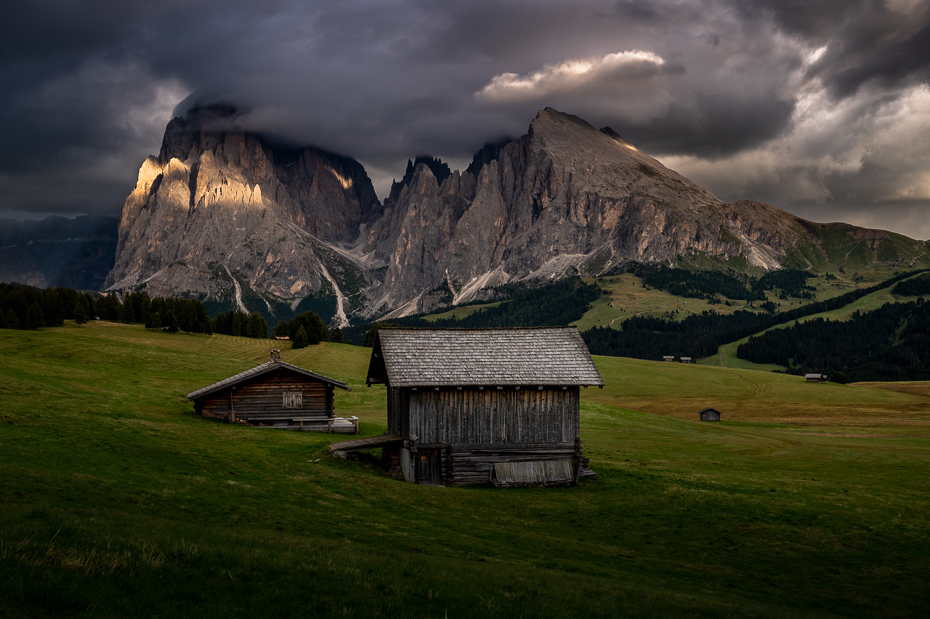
(260, 370)
(815, 375)
(553, 356)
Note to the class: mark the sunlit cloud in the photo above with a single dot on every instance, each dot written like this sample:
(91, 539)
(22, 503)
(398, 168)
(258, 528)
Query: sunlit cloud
(630, 67)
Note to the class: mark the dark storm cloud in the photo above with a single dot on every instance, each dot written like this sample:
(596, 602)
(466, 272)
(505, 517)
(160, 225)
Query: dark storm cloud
(86, 88)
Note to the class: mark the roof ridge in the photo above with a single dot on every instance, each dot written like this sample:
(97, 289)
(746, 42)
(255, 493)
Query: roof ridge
(258, 370)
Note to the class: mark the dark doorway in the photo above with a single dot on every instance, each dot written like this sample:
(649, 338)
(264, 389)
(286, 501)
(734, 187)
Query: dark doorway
(429, 467)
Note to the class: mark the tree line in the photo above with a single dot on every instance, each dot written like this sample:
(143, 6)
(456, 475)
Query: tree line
(730, 284)
(889, 343)
(701, 335)
(555, 304)
(27, 307)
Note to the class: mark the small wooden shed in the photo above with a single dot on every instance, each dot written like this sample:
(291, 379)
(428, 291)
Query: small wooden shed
(478, 405)
(275, 394)
(815, 378)
(686, 359)
(709, 414)
(668, 358)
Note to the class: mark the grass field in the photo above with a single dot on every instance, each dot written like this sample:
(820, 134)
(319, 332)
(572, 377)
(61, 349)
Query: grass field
(807, 501)
(625, 296)
(726, 354)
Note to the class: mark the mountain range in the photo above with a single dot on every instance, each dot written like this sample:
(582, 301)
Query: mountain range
(237, 220)
(56, 251)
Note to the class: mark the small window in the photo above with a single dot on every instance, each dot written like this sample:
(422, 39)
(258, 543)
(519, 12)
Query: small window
(293, 399)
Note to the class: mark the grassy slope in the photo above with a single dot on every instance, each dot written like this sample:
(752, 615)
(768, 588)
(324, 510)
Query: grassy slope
(460, 312)
(726, 354)
(118, 500)
(626, 297)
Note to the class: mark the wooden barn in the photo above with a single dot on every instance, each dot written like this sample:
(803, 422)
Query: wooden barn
(815, 378)
(477, 405)
(709, 414)
(275, 394)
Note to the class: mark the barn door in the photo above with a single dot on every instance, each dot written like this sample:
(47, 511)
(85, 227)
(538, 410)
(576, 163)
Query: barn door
(429, 467)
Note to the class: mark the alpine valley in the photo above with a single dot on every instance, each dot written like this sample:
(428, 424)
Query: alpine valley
(228, 217)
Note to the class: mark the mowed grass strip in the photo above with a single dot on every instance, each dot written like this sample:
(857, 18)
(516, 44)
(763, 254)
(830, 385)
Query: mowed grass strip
(119, 501)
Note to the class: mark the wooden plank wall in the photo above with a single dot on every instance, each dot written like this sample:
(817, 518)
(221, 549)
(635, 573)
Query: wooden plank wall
(397, 412)
(262, 399)
(470, 465)
(493, 416)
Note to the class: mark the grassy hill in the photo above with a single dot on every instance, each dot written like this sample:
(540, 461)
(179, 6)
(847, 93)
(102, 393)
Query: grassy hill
(626, 296)
(726, 355)
(808, 500)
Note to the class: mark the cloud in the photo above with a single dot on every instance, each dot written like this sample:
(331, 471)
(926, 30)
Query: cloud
(859, 160)
(613, 73)
(797, 98)
(71, 143)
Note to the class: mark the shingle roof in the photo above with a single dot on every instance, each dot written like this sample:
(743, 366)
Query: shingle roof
(506, 357)
(258, 371)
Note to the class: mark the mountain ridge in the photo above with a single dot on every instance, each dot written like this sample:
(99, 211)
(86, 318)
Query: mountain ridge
(237, 216)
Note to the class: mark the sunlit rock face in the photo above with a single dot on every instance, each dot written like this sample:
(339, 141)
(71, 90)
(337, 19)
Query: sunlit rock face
(219, 203)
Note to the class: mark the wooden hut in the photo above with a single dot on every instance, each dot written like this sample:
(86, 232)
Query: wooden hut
(478, 405)
(668, 358)
(815, 378)
(275, 394)
(686, 359)
(709, 414)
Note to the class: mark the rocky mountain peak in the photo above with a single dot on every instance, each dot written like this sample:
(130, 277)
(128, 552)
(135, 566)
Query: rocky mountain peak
(226, 215)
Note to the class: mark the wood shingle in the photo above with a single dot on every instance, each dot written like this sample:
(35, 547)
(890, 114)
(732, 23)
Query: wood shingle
(550, 356)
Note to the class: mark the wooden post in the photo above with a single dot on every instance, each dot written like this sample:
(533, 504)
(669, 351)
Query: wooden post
(232, 408)
(579, 450)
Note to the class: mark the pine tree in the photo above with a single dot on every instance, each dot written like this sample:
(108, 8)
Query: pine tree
(300, 340)
(34, 317)
(235, 325)
(80, 314)
(12, 320)
(171, 322)
(283, 329)
(338, 337)
(257, 328)
(127, 315)
(154, 321)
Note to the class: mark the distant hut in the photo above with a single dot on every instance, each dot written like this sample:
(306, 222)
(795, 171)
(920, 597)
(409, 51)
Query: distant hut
(275, 394)
(686, 359)
(668, 358)
(709, 414)
(477, 405)
(815, 378)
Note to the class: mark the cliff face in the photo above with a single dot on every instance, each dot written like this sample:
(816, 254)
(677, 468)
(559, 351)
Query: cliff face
(219, 211)
(564, 198)
(222, 215)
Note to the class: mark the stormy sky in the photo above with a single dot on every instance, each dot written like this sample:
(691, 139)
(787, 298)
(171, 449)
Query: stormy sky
(820, 108)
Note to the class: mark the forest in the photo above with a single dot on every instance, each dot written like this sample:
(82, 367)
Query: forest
(731, 284)
(554, 304)
(701, 335)
(889, 343)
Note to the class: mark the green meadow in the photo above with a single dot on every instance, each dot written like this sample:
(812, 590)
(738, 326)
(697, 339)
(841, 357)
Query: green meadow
(118, 501)
(625, 296)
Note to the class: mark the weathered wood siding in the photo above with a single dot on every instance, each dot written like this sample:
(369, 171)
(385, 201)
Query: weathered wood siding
(263, 399)
(489, 417)
(397, 413)
(471, 465)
